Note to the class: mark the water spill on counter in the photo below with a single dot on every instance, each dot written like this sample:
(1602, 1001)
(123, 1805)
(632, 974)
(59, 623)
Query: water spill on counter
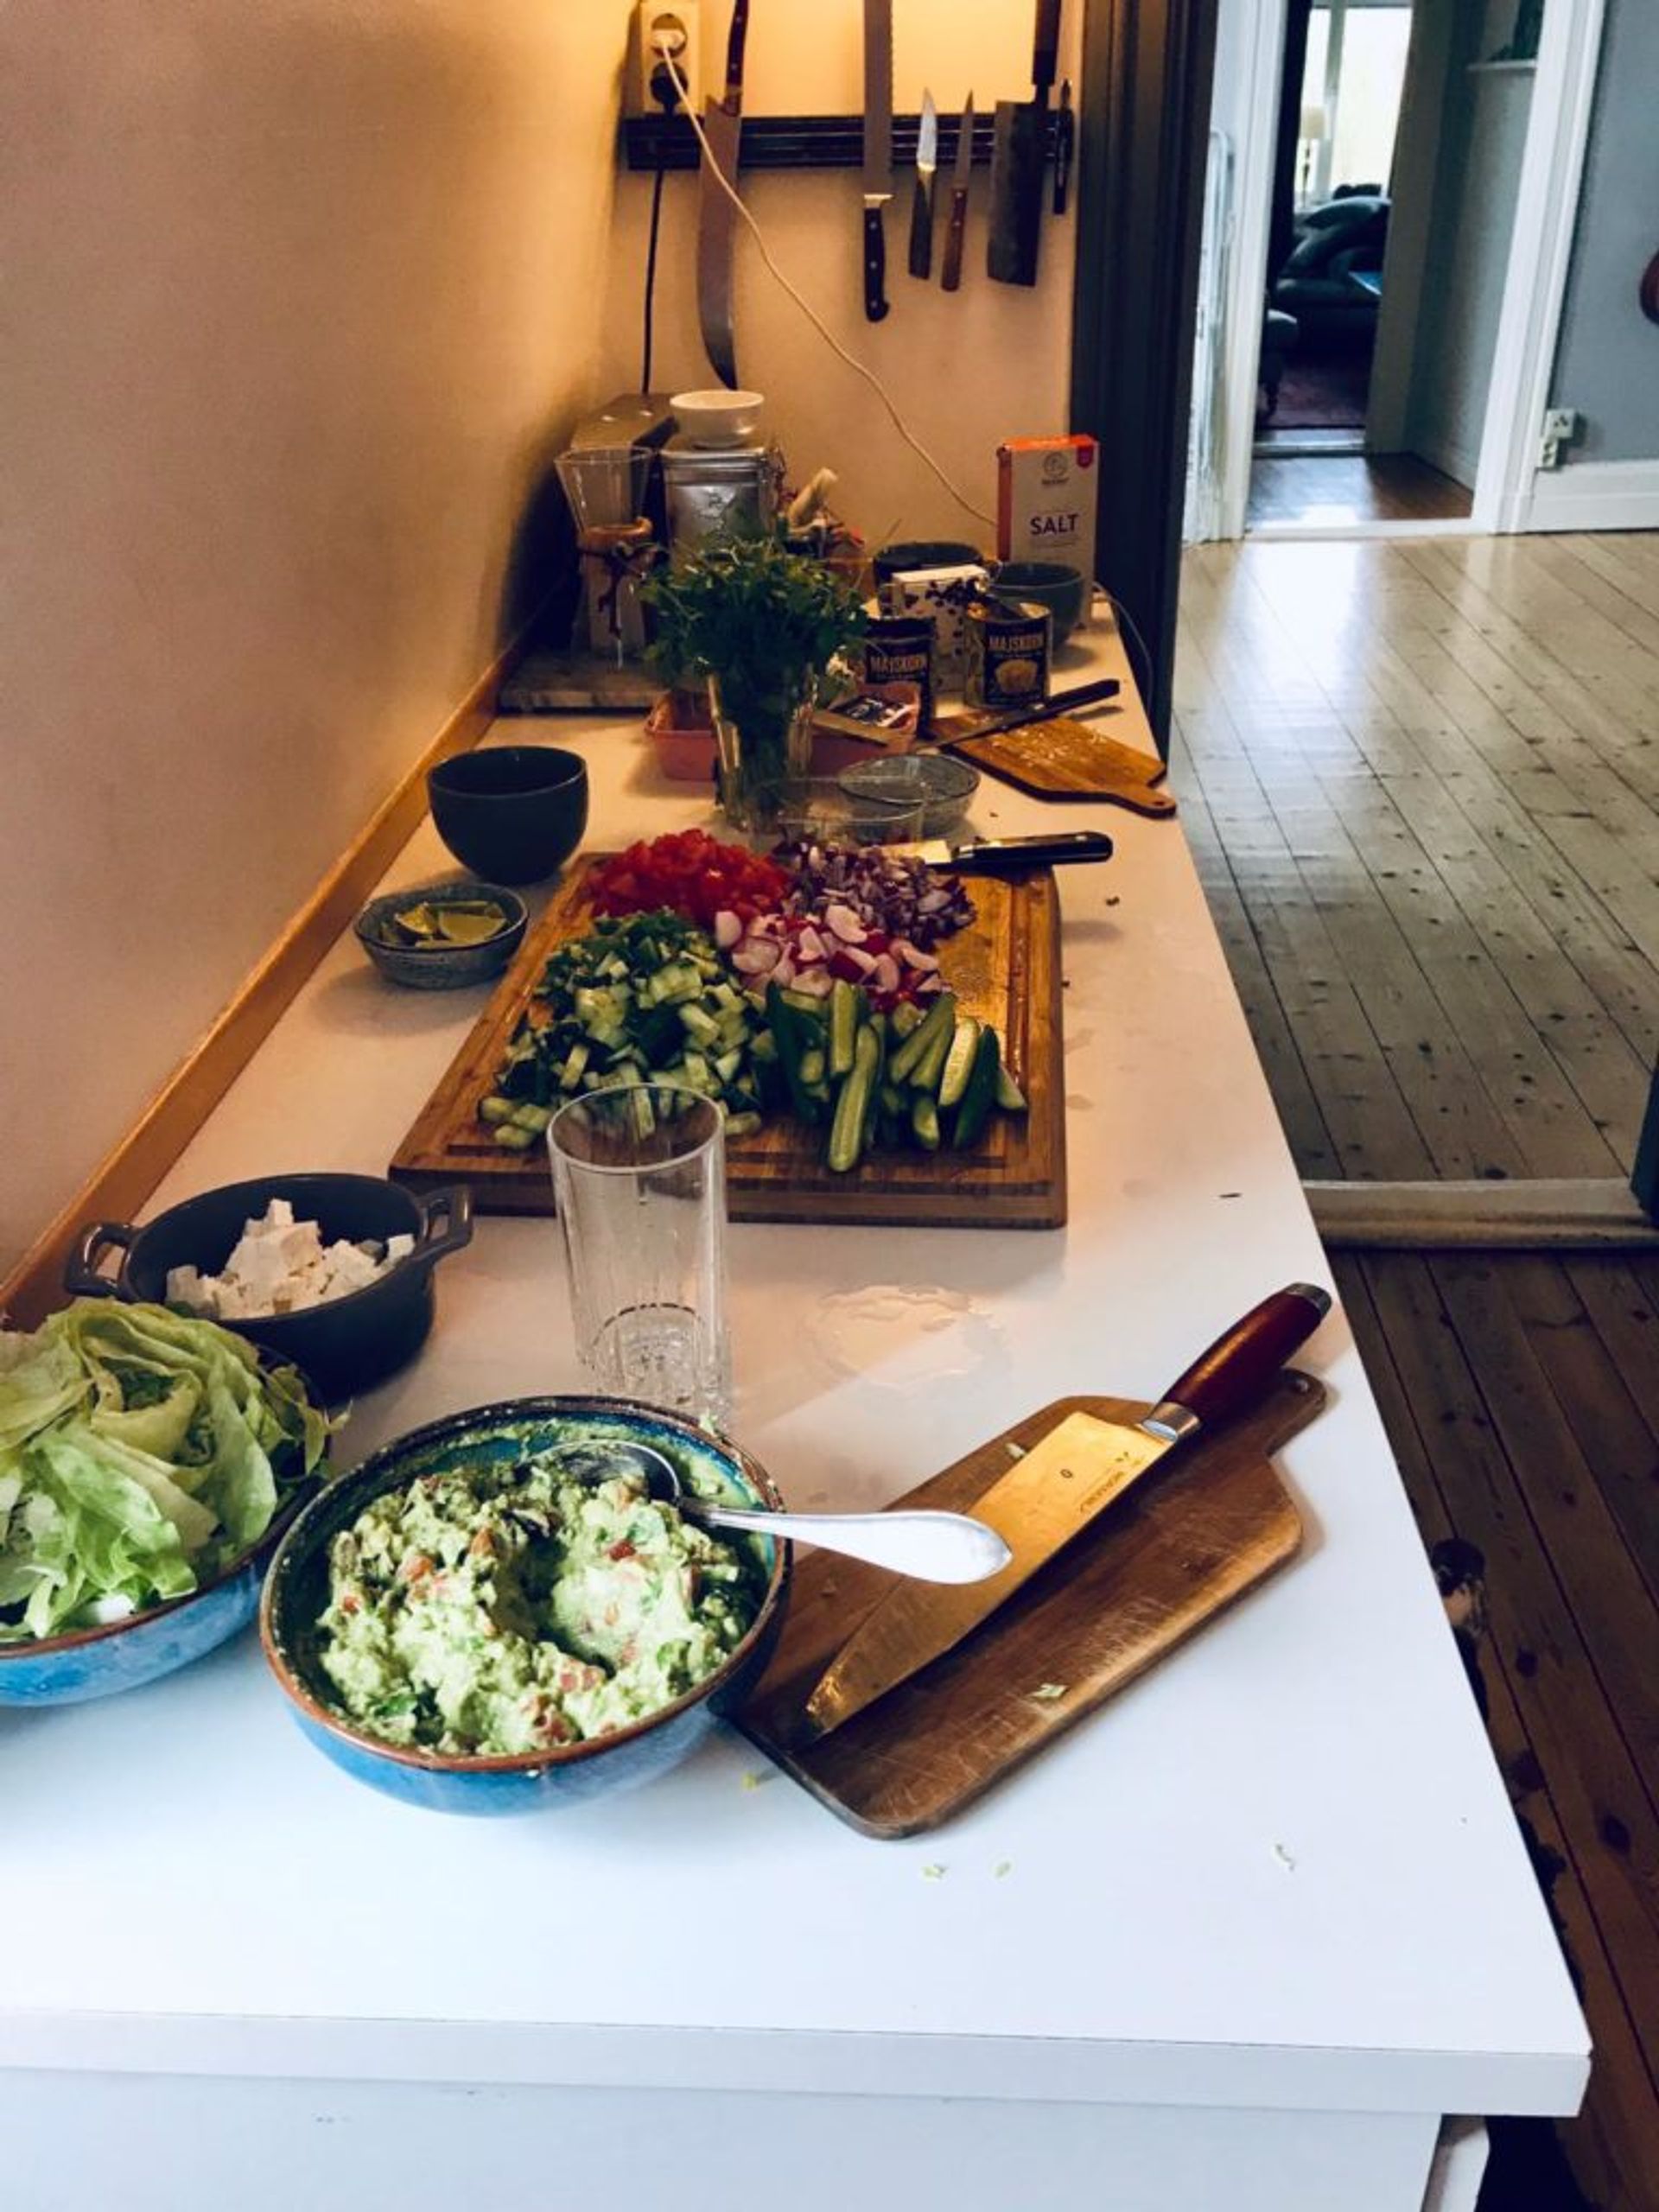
(905, 1336)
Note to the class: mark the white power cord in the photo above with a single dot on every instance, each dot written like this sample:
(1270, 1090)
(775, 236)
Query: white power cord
(805, 306)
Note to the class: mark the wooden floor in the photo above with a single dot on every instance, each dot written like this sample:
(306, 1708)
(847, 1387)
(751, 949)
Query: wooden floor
(1422, 781)
(1328, 488)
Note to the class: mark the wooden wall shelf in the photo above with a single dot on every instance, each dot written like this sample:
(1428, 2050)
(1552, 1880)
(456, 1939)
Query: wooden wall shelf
(802, 141)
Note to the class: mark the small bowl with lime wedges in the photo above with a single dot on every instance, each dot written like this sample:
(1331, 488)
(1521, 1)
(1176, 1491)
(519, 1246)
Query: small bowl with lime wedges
(439, 936)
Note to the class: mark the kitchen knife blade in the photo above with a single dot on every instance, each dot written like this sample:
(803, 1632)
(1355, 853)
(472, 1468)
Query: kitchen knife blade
(878, 151)
(921, 201)
(1056, 1490)
(989, 855)
(961, 177)
(1018, 156)
(716, 217)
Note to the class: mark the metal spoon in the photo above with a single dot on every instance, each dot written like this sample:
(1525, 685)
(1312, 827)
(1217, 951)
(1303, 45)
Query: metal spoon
(929, 1547)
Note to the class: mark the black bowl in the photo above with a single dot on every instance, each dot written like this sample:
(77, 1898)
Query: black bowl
(511, 813)
(895, 560)
(1063, 590)
(342, 1345)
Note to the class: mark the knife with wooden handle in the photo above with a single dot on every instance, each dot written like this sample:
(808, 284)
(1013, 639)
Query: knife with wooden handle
(1060, 1487)
(961, 177)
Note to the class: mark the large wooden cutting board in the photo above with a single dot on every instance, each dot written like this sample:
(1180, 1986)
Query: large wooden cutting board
(1166, 1558)
(1006, 970)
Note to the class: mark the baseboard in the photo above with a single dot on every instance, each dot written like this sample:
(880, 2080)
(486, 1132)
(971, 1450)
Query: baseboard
(1452, 460)
(1594, 495)
(124, 1179)
(1531, 1215)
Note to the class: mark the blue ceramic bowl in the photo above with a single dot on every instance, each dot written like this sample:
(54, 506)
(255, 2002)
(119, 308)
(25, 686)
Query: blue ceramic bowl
(92, 1662)
(296, 1593)
(440, 967)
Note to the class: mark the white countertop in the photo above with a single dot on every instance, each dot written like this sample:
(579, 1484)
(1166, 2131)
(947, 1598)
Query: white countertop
(1279, 1870)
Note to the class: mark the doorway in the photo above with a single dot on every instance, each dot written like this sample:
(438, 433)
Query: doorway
(1392, 190)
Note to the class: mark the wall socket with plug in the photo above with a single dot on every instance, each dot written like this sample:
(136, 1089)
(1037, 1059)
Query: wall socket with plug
(1561, 426)
(656, 26)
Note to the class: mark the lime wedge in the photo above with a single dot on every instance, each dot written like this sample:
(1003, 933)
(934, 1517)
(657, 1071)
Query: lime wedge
(469, 924)
(416, 923)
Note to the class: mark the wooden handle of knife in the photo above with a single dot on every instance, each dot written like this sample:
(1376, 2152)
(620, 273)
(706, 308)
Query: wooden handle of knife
(735, 38)
(952, 277)
(1239, 1366)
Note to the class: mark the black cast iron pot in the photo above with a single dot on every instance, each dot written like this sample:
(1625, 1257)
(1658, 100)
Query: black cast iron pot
(343, 1345)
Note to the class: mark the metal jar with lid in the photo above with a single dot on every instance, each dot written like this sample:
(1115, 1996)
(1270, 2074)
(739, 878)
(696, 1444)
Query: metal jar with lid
(721, 492)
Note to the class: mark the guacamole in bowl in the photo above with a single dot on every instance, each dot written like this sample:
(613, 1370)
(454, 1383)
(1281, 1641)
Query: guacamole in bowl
(493, 1611)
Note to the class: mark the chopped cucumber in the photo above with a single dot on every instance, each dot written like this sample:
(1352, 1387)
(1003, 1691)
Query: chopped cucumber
(941, 1021)
(980, 1096)
(958, 1063)
(844, 1011)
(852, 1107)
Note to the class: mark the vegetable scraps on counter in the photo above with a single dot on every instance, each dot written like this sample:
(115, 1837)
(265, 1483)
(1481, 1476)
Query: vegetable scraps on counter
(141, 1453)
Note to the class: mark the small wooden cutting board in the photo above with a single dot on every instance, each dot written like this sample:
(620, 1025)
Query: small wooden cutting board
(1064, 759)
(1179, 1548)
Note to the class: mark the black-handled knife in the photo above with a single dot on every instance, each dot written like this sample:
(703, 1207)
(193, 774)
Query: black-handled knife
(991, 855)
(878, 152)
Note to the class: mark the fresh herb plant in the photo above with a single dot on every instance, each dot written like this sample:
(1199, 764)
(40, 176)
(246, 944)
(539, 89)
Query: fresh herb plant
(767, 625)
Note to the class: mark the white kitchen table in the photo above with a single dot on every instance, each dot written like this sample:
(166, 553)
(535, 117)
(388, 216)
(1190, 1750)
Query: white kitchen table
(1239, 1943)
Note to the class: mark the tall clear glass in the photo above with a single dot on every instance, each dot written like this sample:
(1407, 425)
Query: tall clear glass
(640, 1179)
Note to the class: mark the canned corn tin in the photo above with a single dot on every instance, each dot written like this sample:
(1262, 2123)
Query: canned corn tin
(1009, 642)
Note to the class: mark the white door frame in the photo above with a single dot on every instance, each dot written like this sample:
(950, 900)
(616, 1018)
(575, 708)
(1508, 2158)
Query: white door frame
(1254, 133)
(1546, 214)
(1540, 252)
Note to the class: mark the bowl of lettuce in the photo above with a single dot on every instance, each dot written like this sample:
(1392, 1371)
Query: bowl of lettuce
(149, 1462)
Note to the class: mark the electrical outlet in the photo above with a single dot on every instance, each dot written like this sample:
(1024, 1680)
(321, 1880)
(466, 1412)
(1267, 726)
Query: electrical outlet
(1561, 426)
(673, 25)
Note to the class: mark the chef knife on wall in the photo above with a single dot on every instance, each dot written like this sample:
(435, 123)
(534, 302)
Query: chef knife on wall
(878, 151)
(921, 199)
(1061, 1486)
(1019, 157)
(722, 125)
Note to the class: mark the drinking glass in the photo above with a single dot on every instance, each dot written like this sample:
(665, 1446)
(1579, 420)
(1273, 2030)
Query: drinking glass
(640, 1179)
